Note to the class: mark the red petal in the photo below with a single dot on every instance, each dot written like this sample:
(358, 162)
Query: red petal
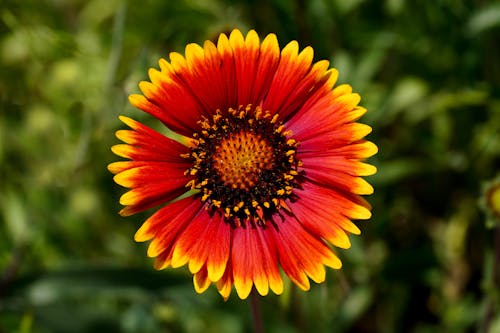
(180, 121)
(321, 221)
(338, 137)
(145, 144)
(255, 261)
(151, 185)
(242, 257)
(151, 174)
(213, 243)
(184, 250)
(201, 281)
(335, 163)
(166, 224)
(228, 75)
(268, 62)
(245, 63)
(225, 284)
(269, 261)
(347, 204)
(288, 75)
(218, 255)
(310, 121)
(300, 253)
(145, 197)
(338, 180)
(117, 167)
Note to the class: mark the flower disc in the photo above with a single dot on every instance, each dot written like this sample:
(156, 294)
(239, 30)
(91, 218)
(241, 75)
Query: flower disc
(243, 163)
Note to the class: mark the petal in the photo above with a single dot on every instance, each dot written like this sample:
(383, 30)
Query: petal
(201, 281)
(166, 224)
(242, 258)
(205, 77)
(333, 163)
(338, 180)
(301, 255)
(338, 137)
(218, 255)
(338, 172)
(314, 253)
(225, 284)
(228, 75)
(322, 222)
(151, 185)
(146, 144)
(172, 103)
(246, 56)
(255, 261)
(316, 100)
(283, 96)
(269, 261)
(349, 205)
(212, 75)
(310, 120)
(145, 197)
(358, 150)
(117, 167)
(184, 247)
(268, 62)
(212, 248)
(164, 258)
(151, 174)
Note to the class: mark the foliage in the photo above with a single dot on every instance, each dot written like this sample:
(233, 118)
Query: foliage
(428, 72)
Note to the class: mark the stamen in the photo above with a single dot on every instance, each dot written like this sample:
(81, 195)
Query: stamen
(244, 164)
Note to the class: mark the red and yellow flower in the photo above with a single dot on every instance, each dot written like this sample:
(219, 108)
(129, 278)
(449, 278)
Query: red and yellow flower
(265, 173)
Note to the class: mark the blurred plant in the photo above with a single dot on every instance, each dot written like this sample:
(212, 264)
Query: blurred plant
(490, 202)
(429, 76)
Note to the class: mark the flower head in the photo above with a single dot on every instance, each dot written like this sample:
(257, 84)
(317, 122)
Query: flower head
(490, 202)
(266, 170)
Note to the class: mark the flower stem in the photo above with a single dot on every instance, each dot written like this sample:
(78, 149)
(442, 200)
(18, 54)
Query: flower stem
(258, 327)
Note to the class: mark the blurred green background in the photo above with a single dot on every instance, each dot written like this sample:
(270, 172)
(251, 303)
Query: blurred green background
(429, 73)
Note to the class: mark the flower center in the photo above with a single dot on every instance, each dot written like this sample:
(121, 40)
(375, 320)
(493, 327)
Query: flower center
(244, 164)
(240, 158)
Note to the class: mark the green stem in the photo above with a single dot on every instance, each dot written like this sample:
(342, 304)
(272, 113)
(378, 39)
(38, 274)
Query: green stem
(258, 326)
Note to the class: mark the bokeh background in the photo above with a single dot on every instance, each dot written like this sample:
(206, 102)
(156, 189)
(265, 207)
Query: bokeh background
(429, 74)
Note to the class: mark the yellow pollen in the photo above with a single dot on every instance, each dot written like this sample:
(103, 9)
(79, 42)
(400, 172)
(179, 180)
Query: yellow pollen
(244, 164)
(241, 157)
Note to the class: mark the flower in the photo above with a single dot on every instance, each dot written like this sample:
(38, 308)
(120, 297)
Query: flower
(490, 202)
(264, 174)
